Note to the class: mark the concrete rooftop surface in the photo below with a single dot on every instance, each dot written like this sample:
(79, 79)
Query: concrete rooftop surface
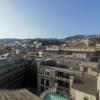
(22, 94)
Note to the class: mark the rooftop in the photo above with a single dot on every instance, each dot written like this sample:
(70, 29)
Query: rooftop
(52, 63)
(22, 94)
(11, 61)
(86, 85)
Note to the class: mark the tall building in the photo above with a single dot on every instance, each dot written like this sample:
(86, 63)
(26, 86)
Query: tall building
(13, 73)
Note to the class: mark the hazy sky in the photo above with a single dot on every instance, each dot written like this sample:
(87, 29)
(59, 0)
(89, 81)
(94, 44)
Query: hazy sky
(48, 18)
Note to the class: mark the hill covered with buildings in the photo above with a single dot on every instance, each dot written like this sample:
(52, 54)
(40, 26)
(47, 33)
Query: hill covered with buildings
(66, 68)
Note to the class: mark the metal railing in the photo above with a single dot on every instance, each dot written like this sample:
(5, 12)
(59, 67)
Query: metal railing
(47, 91)
(62, 78)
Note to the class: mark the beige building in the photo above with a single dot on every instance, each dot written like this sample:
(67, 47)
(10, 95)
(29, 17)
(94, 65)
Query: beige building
(68, 81)
(18, 94)
(51, 74)
(86, 88)
(79, 95)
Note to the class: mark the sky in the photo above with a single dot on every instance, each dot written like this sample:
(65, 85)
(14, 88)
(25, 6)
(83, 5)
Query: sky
(49, 18)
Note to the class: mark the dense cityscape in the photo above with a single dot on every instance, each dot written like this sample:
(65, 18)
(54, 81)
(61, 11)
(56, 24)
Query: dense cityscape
(49, 49)
(50, 69)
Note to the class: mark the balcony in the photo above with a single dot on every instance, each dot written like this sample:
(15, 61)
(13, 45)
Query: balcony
(80, 49)
(62, 88)
(61, 78)
(89, 64)
(62, 74)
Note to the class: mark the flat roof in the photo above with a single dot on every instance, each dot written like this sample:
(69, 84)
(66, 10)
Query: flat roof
(87, 85)
(8, 62)
(22, 94)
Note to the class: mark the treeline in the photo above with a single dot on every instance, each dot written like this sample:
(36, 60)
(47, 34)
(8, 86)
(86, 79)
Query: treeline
(50, 41)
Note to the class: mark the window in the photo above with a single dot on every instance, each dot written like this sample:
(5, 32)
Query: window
(85, 69)
(47, 73)
(47, 82)
(85, 98)
(42, 81)
(42, 71)
(42, 88)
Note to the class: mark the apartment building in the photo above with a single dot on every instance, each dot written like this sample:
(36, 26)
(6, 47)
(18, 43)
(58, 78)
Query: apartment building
(85, 59)
(50, 74)
(28, 50)
(13, 73)
(67, 81)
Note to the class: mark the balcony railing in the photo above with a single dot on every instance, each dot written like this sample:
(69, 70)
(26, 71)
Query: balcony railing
(80, 49)
(90, 64)
(53, 89)
(61, 78)
(63, 88)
